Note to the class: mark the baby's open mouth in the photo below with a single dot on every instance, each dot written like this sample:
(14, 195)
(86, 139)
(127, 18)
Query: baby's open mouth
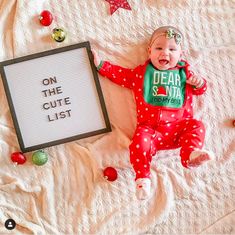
(163, 62)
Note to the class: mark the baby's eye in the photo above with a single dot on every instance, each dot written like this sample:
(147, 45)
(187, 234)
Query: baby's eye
(158, 48)
(172, 49)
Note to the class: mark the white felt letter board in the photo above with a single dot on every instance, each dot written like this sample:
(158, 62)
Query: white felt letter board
(54, 97)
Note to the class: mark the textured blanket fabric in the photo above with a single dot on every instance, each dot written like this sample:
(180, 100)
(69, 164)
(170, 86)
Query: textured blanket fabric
(68, 195)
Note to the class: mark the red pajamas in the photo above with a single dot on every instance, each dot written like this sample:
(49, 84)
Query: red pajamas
(188, 134)
(158, 127)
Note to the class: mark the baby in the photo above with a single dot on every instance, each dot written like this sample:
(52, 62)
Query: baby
(163, 88)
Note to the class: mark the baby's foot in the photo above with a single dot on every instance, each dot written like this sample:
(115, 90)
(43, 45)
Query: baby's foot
(199, 157)
(143, 188)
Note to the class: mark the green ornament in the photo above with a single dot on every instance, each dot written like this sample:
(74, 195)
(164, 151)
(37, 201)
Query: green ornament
(58, 34)
(39, 158)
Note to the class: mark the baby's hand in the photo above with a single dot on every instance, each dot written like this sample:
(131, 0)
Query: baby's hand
(195, 80)
(97, 59)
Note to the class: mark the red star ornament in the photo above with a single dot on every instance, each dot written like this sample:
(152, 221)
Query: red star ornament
(115, 4)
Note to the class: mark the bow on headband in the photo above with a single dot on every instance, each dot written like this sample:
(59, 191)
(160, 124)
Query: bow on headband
(170, 33)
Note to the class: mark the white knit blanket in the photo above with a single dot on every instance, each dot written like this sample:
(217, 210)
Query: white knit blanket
(69, 195)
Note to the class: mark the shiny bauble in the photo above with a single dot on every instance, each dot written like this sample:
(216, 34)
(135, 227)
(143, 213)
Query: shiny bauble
(110, 174)
(39, 158)
(45, 18)
(18, 158)
(58, 34)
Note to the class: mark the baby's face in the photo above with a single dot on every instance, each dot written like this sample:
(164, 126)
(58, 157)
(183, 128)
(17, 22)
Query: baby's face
(164, 53)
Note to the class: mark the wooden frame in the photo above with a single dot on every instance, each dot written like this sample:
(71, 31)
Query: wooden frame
(24, 74)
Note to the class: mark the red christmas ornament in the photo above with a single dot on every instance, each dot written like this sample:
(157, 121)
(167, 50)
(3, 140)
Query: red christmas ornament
(18, 158)
(115, 4)
(45, 18)
(110, 174)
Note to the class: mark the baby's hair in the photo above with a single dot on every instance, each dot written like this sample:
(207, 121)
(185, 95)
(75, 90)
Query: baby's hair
(164, 30)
